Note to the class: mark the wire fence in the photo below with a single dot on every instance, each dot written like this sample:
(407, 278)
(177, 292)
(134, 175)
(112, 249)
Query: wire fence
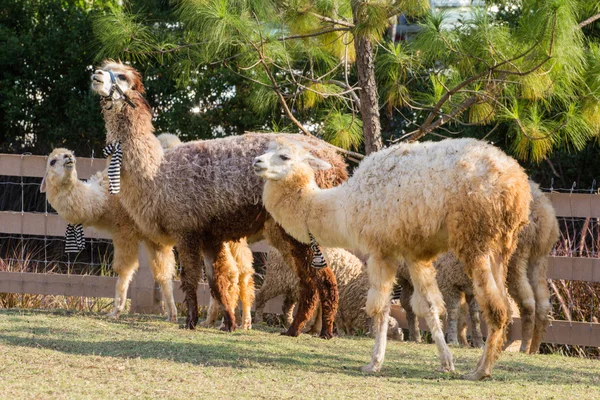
(572, 300)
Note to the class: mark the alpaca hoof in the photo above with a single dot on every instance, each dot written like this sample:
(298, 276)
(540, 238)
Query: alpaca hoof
(206, 324)
(225, 328)
(479, 344)
(476, 375)
(247, 325)
(190, 323)
(446, 368)
(113, 315)
(370, 368)
(171, 318)
(326, 335)
(290, 332)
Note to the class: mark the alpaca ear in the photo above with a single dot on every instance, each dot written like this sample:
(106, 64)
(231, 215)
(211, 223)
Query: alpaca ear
(318, 164)
(43, 185)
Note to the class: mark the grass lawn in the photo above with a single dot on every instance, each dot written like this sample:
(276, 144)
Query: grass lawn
(59, 354)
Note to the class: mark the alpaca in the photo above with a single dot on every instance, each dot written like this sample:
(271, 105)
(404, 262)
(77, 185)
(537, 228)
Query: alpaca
(353, 284)
(89, 204)
(204, 194)
(526, 278)
(411, 202)
(457, 291)
(241, 277)
(241, 284)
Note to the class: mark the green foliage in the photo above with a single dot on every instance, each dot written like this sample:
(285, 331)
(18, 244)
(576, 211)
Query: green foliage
(45, 64)
(343, 130)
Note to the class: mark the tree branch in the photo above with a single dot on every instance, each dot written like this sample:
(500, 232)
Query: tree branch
(333, 21)
(589, 20)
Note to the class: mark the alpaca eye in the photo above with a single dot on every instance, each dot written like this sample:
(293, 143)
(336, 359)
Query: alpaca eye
(284, 158)
(52, 163)
(122, 77)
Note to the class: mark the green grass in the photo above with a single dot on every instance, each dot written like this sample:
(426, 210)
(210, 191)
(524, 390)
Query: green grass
(61, 354)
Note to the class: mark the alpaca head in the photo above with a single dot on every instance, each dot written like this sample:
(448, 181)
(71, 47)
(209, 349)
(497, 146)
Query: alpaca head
(286, 157)
(115, 80)
(60, 169)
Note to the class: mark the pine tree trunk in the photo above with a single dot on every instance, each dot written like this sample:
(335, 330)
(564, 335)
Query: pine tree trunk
(369, 104)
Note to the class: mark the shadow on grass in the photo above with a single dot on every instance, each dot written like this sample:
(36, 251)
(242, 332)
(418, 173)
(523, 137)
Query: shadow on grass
(215, 349)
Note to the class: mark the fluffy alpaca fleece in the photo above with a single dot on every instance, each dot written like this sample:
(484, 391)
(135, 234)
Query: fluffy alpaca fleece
(204, 194)
(241, 276)
(411, 202)
(88, 203)
(353, 284)
(526, 279)
(241, 284)
(168, 141)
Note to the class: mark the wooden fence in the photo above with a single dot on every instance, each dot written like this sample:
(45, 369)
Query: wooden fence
(144, 293)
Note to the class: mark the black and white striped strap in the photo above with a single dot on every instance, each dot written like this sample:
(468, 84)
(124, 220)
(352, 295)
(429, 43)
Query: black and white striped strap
(75, 241)
(114, 168)
(318, 261)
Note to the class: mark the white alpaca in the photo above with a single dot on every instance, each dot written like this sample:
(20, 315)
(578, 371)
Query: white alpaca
(89, 204)
(412, 202)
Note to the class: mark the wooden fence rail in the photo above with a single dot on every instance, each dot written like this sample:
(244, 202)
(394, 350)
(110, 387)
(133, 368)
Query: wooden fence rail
(144, 292)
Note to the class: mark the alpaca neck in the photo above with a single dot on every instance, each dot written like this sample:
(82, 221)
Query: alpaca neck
(300, 206)
(78, 202)
(132, 127)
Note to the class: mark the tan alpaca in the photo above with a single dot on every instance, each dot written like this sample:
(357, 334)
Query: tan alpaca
(526, 279)
(241, 277)
(204, 194)
(241, 284)
(353, 284)
(88, 203)
(411, 202)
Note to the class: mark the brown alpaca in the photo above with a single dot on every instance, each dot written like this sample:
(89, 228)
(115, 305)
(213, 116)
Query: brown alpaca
(89, 204)
(241, 284)
(204, 194)
(411, 202)
(241, 276)
(353, 284)
(526, 279)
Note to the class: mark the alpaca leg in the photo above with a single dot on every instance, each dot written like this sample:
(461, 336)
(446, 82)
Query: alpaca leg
(315, 322)
(453, 305)
(382, 273)
(219, 265)
(521, 291)
(125, 264)
(267, 291)
(539, 283)
(298, 255)
(211, 314)
(247, 298)
(493, 301)
(475, 314)
(427, 302)
(289, 301)
(162, 265)
(191, 268)
(463, 312)
(414, 333)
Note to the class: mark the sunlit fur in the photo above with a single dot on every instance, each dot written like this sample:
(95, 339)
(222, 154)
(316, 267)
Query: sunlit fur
(88, 203)
(526, 278)
(353, 284)
(413, 202)
(204, 194)
(241, 284)
(168, 141)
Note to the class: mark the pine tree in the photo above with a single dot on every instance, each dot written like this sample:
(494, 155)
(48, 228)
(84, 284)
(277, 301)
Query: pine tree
(330, 66)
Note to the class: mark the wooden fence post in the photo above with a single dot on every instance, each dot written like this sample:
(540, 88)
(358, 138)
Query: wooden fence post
(145, 296)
